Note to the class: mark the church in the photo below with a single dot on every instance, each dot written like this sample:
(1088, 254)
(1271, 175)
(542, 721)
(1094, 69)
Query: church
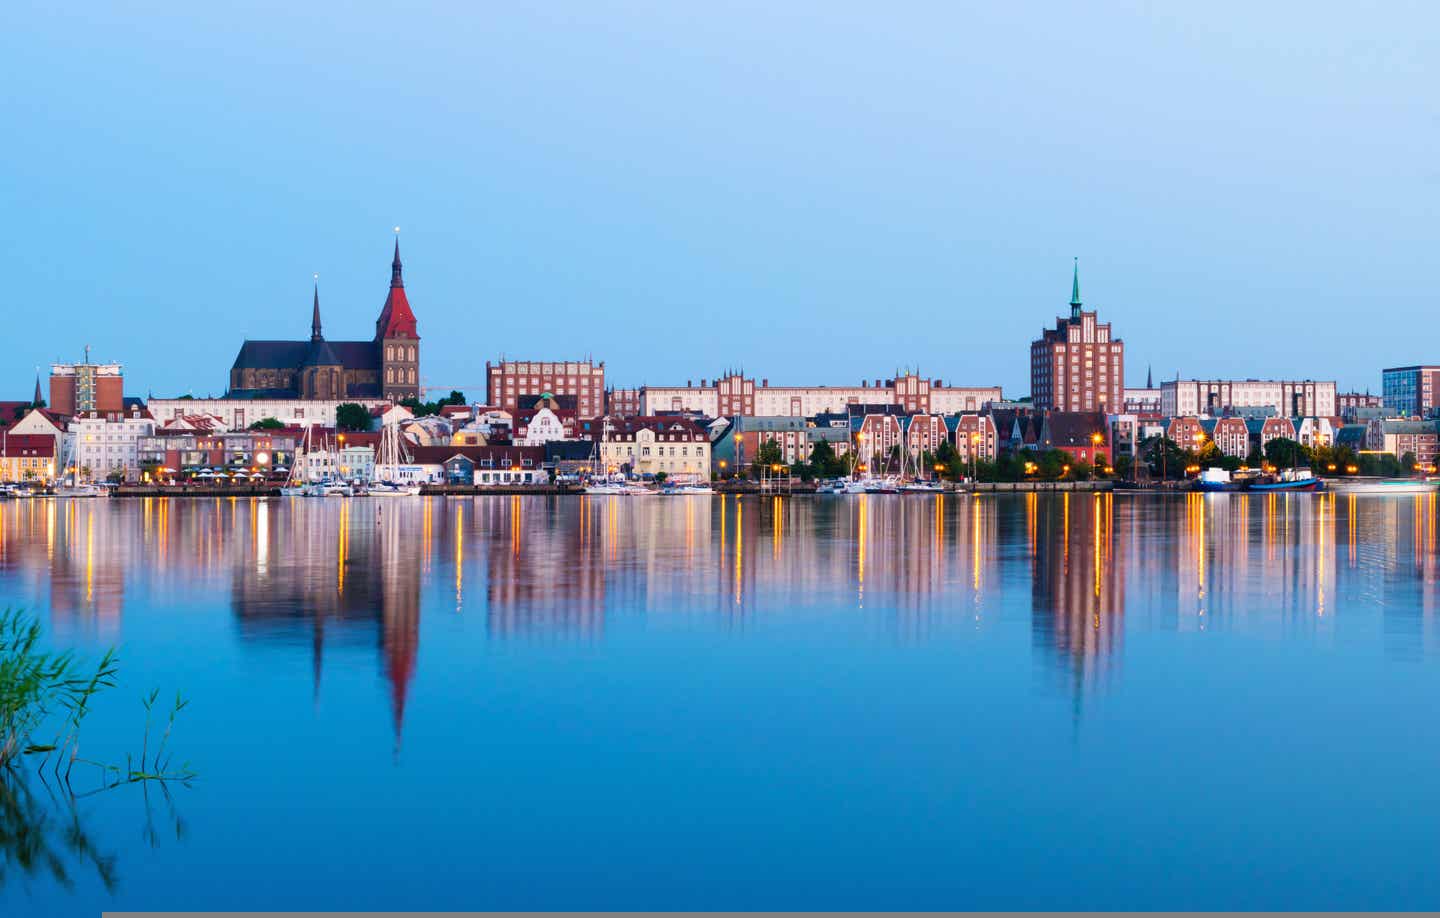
(387, 366)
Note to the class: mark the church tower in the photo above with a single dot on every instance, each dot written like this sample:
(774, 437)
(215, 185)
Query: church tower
(397, 340)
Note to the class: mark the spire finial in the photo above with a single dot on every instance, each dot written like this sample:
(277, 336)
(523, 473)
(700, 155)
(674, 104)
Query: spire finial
(315, 334)
(396, 268)
(1075, 291)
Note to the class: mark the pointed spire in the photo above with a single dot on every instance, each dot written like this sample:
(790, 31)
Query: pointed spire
(396, 278)
(315, 334)
(35, 402)
(1149, 376)
(1075, 292)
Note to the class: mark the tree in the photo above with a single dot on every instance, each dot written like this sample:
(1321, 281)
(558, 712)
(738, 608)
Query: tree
(823, 461)
(660, 477)
(767, 455)
(269, 424)
(1283, 452)
(422, 409)
(350, 416)
(1165, 457)
(117, 475)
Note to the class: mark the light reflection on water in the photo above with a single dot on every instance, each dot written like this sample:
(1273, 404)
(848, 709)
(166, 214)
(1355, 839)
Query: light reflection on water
(371, 585)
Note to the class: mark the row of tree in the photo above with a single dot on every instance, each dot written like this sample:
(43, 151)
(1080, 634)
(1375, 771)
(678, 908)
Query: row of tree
(1160, 456)
(352, 416)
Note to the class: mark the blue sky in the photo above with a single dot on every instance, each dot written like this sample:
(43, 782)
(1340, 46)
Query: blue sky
(815, 192)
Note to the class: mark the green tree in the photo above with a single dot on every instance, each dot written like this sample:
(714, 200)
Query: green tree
(268, 424)
(767, 455)
(1408, 463)
(823, 461)
(1165, 458)
(350, 416)
(660, 477)
(1282, 452)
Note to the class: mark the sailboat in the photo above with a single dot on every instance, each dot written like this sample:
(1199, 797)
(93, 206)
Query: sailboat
(393, 454)
(71, 473)
(295, 483)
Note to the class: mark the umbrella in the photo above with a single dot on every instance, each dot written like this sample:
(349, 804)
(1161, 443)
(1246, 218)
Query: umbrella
(281, 468)
(171, 471)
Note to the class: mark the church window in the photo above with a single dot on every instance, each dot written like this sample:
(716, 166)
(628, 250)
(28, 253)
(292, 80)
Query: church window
(389, 374)
(389, 352)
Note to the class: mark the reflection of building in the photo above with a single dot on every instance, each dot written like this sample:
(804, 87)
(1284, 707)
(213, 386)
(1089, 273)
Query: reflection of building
(339, 575)
(1077, 586)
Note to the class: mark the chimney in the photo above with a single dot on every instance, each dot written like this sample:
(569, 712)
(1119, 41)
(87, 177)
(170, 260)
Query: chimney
(689, 383)
(878, 384)
(702, 383)
(864, 383)
(764, 383)
(937, 384)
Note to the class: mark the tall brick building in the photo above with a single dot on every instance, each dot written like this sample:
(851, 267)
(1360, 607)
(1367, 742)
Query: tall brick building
(386, 366)
(1078, 365)
(86, 387)
(513, 384)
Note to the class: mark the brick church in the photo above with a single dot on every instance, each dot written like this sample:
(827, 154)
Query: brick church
(387, 366)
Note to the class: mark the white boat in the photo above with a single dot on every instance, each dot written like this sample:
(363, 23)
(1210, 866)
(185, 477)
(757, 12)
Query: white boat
(327, 487)
(81, 490)
(686, 490)
(391, 489)
(922, 487)
(1384, 485)
(605, 487)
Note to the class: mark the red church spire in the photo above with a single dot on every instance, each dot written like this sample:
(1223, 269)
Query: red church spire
(396, 320)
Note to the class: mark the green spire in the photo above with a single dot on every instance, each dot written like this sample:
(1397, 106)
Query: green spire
(1075, 292)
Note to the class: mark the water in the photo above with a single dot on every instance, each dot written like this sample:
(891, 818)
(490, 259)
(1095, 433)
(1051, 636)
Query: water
(1013, 701)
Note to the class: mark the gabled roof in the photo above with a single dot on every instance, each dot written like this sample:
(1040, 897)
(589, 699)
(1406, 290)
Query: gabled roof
(27, 445)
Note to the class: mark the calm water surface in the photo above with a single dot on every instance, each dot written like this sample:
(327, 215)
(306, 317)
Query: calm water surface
(1221, 701)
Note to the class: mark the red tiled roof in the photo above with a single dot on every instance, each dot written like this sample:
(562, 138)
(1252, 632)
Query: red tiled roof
(15, 445)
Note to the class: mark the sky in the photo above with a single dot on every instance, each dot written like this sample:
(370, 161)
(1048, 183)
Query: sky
(814, 192)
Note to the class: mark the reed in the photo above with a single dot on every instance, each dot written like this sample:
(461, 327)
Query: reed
(44, 690)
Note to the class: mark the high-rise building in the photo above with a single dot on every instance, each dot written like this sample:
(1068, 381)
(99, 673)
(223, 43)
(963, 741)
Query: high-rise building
(1410, 391)
(81, 388)
(1078, 365)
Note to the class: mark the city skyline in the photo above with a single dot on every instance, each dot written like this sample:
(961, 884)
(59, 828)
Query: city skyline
(891, 196)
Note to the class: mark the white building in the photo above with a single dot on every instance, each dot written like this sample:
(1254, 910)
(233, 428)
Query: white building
(239, 413)
(735, 394)
(543, 427)
(102, 447)
(1209, 398)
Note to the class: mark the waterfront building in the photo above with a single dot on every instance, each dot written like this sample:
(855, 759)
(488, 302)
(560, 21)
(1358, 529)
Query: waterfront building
(1082, 434)
(1186, 433)
(735, 394)
(1215, 397)
(924, 433)
(544, 421)
(1410, 392)
(741, 440)
(86, 387)
(26, 457)
(1231, 435)
(1078, 365)
(512, 383)
(484, 465)
(1399, 437)
(42, 422)
(179, 449)
(1264, 429)
(1352, 401)
(877, 436)
(1313, 432)
(386, 366)
(102, 446)
(976, 437)
(648, 445)
(239, 413)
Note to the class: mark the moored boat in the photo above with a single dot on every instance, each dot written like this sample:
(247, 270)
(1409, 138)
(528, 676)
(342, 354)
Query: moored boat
(1289, 480)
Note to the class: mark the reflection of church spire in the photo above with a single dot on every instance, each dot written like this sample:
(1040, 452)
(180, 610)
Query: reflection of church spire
(400, 641)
